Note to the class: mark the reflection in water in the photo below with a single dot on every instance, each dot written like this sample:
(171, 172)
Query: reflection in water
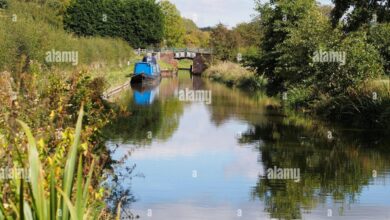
(336, 170)
(210, 161)
(144, 94)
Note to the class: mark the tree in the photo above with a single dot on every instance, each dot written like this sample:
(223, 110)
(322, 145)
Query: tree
(378, 36)
(194, 36)
(362, 12)
(278, 18)
(249, 33)
(139, 22)
(174, 29)
(190, 25)
(224, 43)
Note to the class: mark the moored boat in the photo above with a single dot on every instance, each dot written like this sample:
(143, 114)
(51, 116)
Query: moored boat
(146, 73)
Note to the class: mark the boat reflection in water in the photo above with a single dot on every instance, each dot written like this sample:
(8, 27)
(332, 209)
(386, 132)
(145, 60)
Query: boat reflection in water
(145, 94)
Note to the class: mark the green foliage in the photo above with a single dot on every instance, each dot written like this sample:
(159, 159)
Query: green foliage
(234, 75)
(195, 37)
(46, 193)
(378, 36)
(174, 29)
(139, 22)
(363, 62)
(278, 18)
(249, 34)
(190, 25)
(50, 114)
(300, 96)
(295, 31)
(224, 43)
(288, 52)
(294, 64)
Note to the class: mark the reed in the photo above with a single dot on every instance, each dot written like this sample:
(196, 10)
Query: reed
(46, 198)
(235, 75)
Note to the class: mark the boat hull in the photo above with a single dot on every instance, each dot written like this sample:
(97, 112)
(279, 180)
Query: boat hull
(145, 79)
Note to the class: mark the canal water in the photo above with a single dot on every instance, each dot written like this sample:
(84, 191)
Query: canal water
(190, 149)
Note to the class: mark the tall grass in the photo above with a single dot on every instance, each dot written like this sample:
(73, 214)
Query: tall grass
(38, 30)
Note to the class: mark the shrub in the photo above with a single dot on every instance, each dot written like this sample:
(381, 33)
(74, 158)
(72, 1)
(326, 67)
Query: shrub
(300, 96)
(233, 74)
(363, 62)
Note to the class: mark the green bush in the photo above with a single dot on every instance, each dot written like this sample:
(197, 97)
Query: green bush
(363, 62)
(300, 96)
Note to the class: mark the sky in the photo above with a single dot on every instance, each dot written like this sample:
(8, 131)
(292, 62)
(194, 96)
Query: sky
(211, 12)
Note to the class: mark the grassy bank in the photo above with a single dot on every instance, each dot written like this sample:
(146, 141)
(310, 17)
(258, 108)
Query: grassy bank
(30, 31)
(47, 95)
(235, 75)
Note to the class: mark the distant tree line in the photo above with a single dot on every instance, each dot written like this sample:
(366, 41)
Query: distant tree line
(242, 39)
(142, 23)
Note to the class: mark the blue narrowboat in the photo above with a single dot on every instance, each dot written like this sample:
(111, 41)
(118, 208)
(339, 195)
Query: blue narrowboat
(146, 72)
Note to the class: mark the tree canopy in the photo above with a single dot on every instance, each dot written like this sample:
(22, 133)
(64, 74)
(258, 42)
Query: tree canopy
(139, 22)
(224, 43)
(174, 30)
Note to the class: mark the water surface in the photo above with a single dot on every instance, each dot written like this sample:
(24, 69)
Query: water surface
(190, 160)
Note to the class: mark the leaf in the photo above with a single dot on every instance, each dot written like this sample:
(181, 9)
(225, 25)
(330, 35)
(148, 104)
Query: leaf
(27, 211)
(88, 183)
(53, 195)
(70, 164)
(118, 212)
(79, 192)
(36, 179)
(21, 199)
(68, 204)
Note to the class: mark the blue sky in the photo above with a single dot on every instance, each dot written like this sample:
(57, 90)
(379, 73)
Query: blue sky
(211, 12)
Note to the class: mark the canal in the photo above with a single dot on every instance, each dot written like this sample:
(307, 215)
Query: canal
(192, 149)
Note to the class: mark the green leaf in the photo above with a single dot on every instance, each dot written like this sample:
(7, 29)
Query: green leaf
(68, 204)
(53, 195)
(88, 183)
(27, 211)
(21, 199)
(79, 192)
(70, 164)
(36, 174)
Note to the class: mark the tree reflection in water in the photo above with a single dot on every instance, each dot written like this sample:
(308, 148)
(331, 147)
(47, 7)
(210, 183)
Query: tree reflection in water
(137, 124)
(335, 169)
